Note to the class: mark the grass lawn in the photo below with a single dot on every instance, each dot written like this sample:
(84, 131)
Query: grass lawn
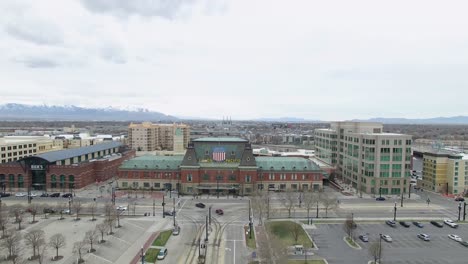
(162, 238)
(250, 242)
(313, 261)
(282, 229)
(351, 242)
(151, 254)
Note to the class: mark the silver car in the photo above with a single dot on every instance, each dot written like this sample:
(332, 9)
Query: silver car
(386, 237)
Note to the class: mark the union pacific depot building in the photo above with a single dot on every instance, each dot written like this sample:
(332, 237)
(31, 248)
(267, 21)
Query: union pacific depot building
(223, 165)
(64, 170)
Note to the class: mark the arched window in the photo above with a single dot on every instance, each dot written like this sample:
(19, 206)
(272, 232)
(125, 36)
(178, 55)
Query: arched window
(2, 182)
(11, 181)
(53, 181)
(62, 181)
(71, 182)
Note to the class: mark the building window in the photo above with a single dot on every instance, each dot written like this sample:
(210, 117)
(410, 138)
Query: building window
(189, 177)
(124, 184)
(53, 181)
(146, 184)
(20, 181)
(206, 177)
(71, 182)
(294, 186)
(62, 181)
(260, 186)
(248, 178)
(157, 185)
(282, 186)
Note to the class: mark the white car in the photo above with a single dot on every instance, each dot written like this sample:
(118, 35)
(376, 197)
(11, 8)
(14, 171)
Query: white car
(20, 194)
(450, 223)
(424, 237)
(66, 211)
(121, 208)
(455, 237)
(33, 194)
(386, 238)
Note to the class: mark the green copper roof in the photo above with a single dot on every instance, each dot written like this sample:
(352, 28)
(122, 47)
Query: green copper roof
(220, 139)
(153, 162)
(286, 163)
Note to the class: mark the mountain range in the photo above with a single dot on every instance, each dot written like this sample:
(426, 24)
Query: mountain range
(13, 111)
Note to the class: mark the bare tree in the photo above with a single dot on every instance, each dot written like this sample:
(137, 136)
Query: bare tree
(33, 209)
(110, 222)
(295, 230)
(60, 207)
(102, 228)
(57, 241)
(108, 209)
(44, 208)
(41, 252)
(260, 203)
(349, 227)
(271, 249)
(17, 212)
(92, 209)
(3, 219)
(19, 220)
(117, 217)
(79, 248)
(375, 251)
(309, 200)
(329, 202)
(91, 238)
(77, 206)
(12, 243)
(288, 200)
(34, 238)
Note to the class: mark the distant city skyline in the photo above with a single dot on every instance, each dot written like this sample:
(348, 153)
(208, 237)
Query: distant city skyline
(244, 59)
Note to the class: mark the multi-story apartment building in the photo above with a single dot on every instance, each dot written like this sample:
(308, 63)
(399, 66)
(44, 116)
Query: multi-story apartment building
(149, 137)
(445, 172)
(366, 157)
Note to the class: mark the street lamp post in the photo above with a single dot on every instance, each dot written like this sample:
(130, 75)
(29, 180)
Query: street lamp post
(142, 256)
(217, 187)
(69, 205)
(154, 204)
(464, 211)
(401, 200)
(394, 212)
(459, 210)
(380, 192)
(209, 214)
(380, 247)
(173, 211)
(163, 204)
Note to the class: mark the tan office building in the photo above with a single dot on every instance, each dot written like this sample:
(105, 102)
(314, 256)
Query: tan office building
(445, 172)
(366, 157)
(149, 137)
(15, 148)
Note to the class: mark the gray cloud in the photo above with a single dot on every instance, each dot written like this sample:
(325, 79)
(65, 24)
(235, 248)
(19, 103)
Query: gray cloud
(37, 62)
(113, 53)
(162, 8)
(35, 32)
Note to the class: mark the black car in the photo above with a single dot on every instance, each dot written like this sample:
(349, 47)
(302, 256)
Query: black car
(200, 205)
(219, 211)
(437, 224)
(55, 195)
(405, 224)
(460, 199)
(380, 199)
(45, 195)
(169, 213)
(418, 224)
(49, 211)
(391, 223)
(364, 238)
(67, 195)
(5, 194)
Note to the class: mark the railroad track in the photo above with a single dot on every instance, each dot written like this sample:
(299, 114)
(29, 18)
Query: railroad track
(194, 245)
(219, 231)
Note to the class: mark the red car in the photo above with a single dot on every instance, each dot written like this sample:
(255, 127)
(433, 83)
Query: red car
(219, 211)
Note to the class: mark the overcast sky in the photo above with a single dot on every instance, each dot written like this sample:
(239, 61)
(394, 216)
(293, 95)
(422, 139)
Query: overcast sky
(328, 60)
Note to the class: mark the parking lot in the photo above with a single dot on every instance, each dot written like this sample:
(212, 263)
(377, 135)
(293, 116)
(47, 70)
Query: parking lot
(406, 247)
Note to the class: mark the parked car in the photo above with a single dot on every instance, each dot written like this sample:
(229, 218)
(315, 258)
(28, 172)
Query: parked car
(66, 211)
(364, 238)
(169, 213)
(435, 223)
(424, 237)
(219, 211)
(44, 195)
(55, 195)
(386, 237)
(464, 243)
(391, 223)
(460, 199)
(162, 254)
(20, 194)
(49, 211)
(33, 194)
(380, 199)
(5, 194)
(450, 223)
(176, 231)
(67, 195)
(200, 205)
(405, 224)
(455, 237)
(121, 208)
(418, 224)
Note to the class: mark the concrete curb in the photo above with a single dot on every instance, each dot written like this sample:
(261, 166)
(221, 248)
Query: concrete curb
(351, 246)
(308, 235)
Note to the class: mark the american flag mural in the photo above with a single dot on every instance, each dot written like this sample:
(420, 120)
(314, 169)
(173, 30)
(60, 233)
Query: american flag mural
(219, 154)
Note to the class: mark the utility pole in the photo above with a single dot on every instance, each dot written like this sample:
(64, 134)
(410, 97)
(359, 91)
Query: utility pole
(163, 204)
(250, 221)
(209, 213)
(154, 204)
(142, 256)
(173, 210)
(394, 212)
(317, 209)
(401, 200)
(380, 248)
(268, 205)
(206, 229)
(459, 210)
(464, 211)
(409, 191)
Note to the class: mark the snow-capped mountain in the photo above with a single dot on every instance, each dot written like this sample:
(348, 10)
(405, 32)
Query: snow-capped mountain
(14, 111)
